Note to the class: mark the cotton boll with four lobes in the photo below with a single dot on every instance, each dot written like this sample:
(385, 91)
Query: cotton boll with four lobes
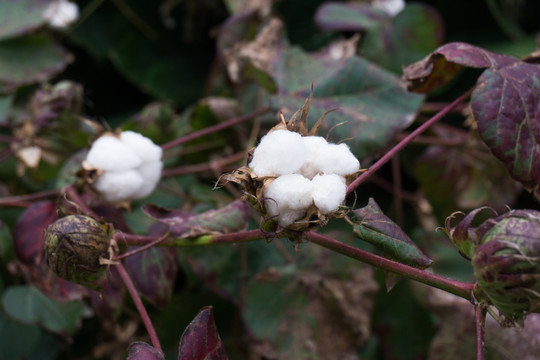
(118, 185)
(279, 152)
(288, 198)
(337, 159)
(141, 146)
(110, 154)
(314, 146)
(328, 192)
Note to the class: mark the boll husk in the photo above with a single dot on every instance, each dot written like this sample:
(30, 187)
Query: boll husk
(287, 184)
(505, 255)
(74, 247)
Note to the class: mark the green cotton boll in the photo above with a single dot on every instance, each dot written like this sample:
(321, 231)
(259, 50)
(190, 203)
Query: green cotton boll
(73, 247)
(506, 264)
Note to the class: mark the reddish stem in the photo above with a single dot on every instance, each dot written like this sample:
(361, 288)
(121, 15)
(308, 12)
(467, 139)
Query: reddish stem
(215, 128)
(458, 288)
(139, 305)
(231, 238)
(190, 169)
(479, 319)
(72, 193)
(141, 248)
(399, 146)
(25, 200)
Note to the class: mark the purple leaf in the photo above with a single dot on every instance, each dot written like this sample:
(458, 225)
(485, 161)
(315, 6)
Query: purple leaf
(28, 232)
(142, 351)
(200, 340)
(109, 301)
(154, 273)
(231, 218)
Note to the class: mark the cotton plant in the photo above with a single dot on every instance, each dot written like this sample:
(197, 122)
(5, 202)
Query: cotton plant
(127, 166)
(296, 179)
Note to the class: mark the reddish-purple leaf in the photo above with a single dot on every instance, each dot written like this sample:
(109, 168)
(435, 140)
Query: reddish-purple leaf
(142, 351)
(28, 232)
(109, 301)
(506, 106)
(154, 273)
(200, 340)
(443, 64)
(231, 218)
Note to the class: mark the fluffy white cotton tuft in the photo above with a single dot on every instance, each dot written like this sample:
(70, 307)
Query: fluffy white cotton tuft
(328, 192)
(131, 166)
(288, 198)
(142, 146)
(110, 154)
(280, 152)
(315, 145)
(118, 185)
(337, 159)
(391, 7)
(61, 13)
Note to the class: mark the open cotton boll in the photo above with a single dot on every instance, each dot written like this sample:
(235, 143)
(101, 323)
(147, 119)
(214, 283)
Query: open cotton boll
(288, 198)
(337, 159)
(313, 144)
(110, 154)
(328, 192)
(151, 173)
(118, 185)
(279, 152)
(141, 146)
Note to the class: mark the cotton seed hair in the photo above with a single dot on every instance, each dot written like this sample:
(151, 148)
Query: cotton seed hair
(309, 171)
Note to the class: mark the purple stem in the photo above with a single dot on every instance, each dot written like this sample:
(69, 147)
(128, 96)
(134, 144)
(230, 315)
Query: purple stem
(215, 128)
(139, 305)
(399, 146)
(458, 288)
(25, 200)
(479, 318)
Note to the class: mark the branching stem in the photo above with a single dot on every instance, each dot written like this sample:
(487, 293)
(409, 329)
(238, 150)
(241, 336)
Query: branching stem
(458, 288)
(215, 128)
(399, 146)
(139, 305)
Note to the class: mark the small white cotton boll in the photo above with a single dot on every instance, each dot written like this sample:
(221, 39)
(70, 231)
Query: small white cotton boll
(141, 146)
(328, 192)
(61, 13)
(280, 152)
(288, 197)
(118, 186)
(109, 154)
(151, 174)
(313, 144)
(337, 159)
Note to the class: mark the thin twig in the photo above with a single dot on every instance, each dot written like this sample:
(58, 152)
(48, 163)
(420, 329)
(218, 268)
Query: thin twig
(203, 240)
(26, 199)
(207, 166)
(399, 146)
(139, 305)
(479, 319)
(72, 193)
(142, 248)
(455, 287)
(215, 128)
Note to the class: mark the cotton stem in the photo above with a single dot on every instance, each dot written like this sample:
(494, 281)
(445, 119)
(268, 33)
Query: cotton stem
(399, 146)
(140, 307)
(479, 319)
(215, 128)
(458, 288)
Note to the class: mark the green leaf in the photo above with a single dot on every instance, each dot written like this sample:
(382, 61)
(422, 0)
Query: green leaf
(28, 305)
(7, 253)
(21, 16)
(371, 102)
(349, 17)
(17, 340)
(6, 103)
(28, 60)
(373, 226)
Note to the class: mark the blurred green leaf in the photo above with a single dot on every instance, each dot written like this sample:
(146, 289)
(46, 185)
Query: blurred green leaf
(6, 103)
(7, 253)
(17, 340)
(349, 17)
(28, 305)
(30, 59)
(21, 16)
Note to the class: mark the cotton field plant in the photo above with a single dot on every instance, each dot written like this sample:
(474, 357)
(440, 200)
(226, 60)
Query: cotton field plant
(269, 180)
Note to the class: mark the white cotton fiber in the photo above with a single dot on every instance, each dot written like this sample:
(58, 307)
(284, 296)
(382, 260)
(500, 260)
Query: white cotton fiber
(288, 198)
(280, 152)
(314, 146)
(141, 146)
(110, 154)
(118, 186)
(151, 173)
(337, 159)
(328, 192)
